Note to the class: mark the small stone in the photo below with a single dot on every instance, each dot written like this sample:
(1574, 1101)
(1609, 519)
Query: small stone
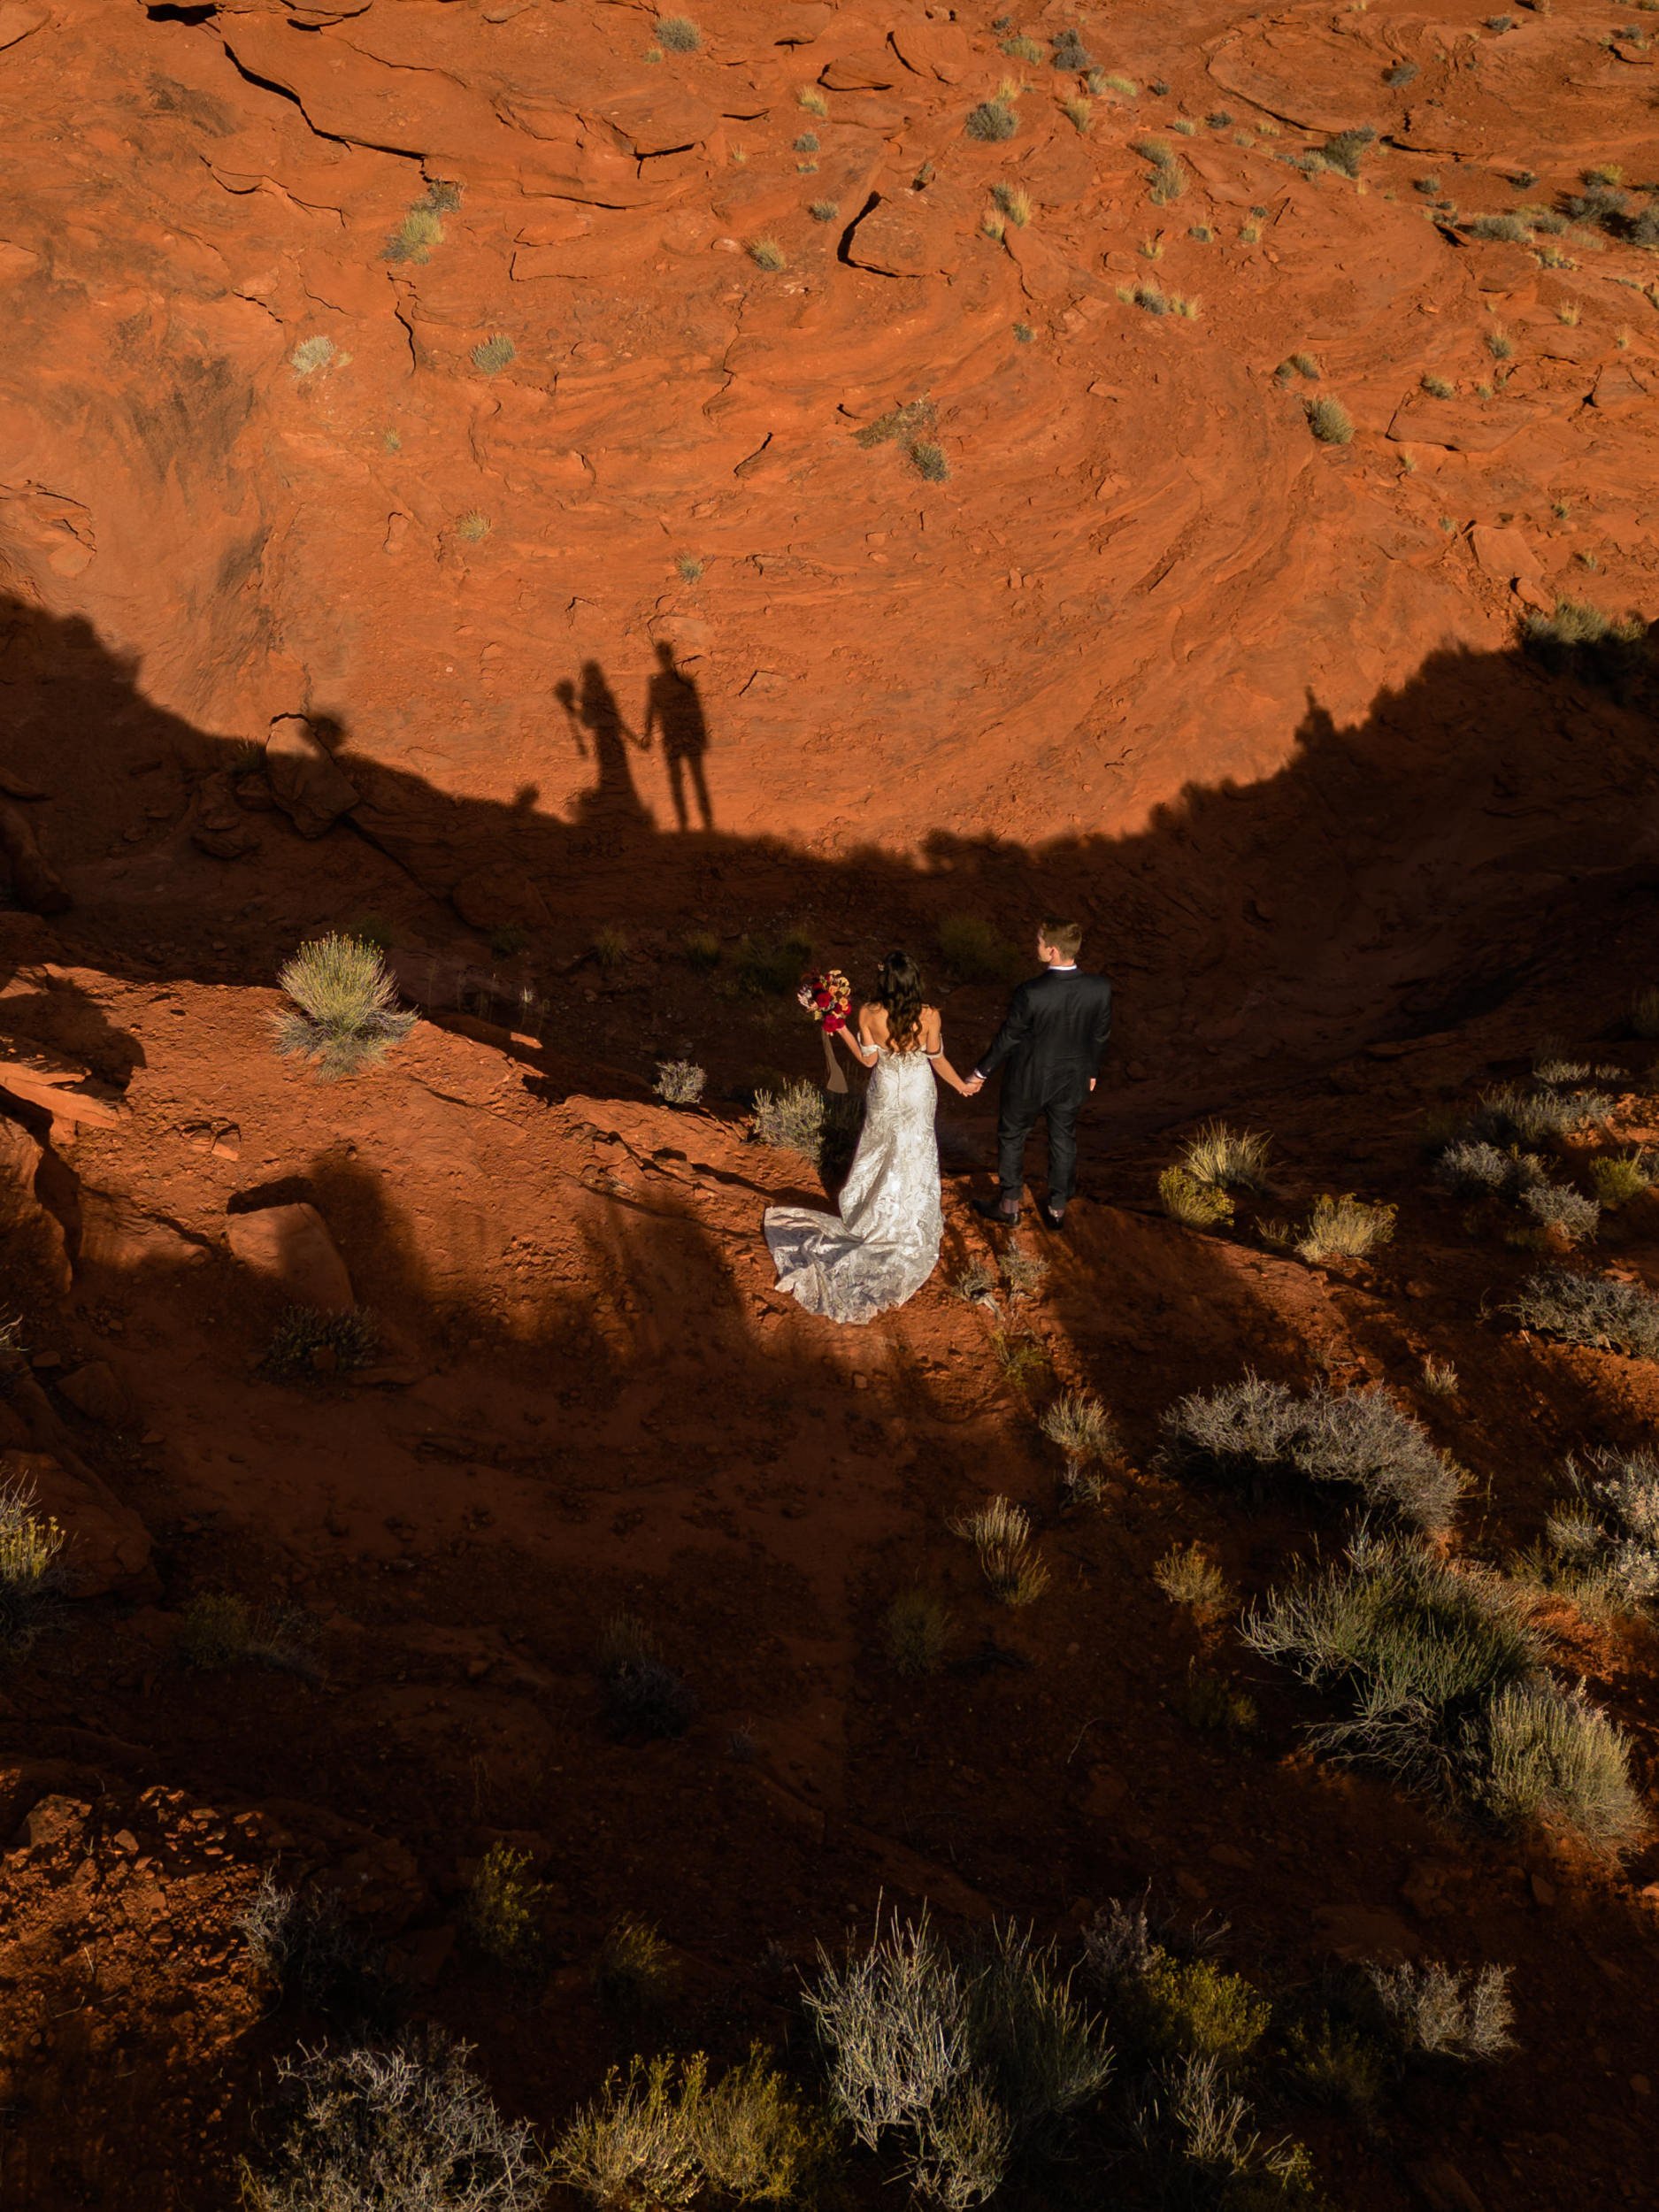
(228, 1144)
(151, 1437)
(96, 1391)
(1543, 1891)
(1640, 2084)
(1137, 1073)
(41, 1361)
(861, 1382)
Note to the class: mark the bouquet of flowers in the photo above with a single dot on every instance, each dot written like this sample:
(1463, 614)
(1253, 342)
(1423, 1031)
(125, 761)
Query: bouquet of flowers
(827, 997)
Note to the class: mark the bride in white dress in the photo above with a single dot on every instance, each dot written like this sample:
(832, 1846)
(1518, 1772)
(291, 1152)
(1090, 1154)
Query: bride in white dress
(883, 1244)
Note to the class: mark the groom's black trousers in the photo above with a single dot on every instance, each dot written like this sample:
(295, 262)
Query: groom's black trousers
(1018, 1117)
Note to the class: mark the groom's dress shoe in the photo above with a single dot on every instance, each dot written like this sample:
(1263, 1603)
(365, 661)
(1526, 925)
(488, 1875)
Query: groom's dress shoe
(1053, 1217)
(994, 1209)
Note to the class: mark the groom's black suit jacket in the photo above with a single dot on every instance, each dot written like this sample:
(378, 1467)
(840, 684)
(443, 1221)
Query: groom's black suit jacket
(1052, 1038)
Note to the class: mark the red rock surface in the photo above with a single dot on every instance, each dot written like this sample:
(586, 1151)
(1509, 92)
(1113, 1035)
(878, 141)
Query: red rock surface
(318, 612)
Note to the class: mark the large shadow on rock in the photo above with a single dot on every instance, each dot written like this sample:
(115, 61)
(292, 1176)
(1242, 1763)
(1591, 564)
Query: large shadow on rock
(1389, 879)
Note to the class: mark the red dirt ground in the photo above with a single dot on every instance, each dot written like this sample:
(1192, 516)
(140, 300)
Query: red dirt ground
(1250, 705)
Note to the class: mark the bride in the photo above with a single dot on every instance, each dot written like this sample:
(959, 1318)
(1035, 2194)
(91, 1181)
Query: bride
(884, 1243)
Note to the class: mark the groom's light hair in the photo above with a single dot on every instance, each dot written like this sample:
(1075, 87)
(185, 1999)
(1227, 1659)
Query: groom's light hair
(1066, 937)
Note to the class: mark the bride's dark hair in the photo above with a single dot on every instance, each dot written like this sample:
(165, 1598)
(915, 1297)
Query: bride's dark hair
(899, 988)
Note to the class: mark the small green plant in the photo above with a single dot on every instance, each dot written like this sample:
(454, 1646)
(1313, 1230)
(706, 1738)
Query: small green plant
(928, 460)
(1500, 345)
(1078, 112)
(634, 1972)
(1339, 2066)
(1168, 178)
(1195, 1205)
(343, 1020)
(306, 1345)
(1023, 1271)
(311, 355)
(1579, 640)
(505, 942)
(1505, 229)
(1403, 73)
(30, 1544)
(975, 1284)
(504, 1908)
(1201, 234)
(1330, 422)
(422, 228)
(1619, 1177)
(1021, 1358)
(1210, 1702)
(917, 1630)
(1304, 364)
(473, 527)
(1022, 333)
(806, 142)
(1026, 49)
(1071, 56)
(1644, 1012)
(1015, 203)
(634, 2145)
(767, 254)
(824, 211)
(1346, 150)
(1440, 1377)
(680, 1082)
(643, 1693)
(1189, 1575)
(1248, 233)
(1000, 1532)
(678, 33)
(1346, 1228)
(1225, 1159)
(609, 947)
(492, 355)
(702, 949)
(800, 1118)
(688, 568)
(1436, 387)
(813, 101)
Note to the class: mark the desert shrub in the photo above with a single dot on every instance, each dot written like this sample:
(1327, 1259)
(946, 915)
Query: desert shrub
(1209, 1700)
(492, 355)
(1403, 73)
(473, 527)
(343, 1020)
(1082, 1428)
(824, 211)
(1252, 1430)
(1021, 1357)
(1195, 1205)
(964, 2062)
(918, 1629)
(1337, 2065)
(1442, 1673)
(312, 354)
(305, 1344)
(975, 950)
(634, 1971)
(1225, 1159)
(767, 254)
(306, 1942)
(928, 460)
(643, 1695)
(1599, 1310)
(1545, 1754)
(1644, 1012)
(1198, 2129)
(770, 967)
(1070, 53)
(219, 1630)
(1617, 1521)
(1509, 228)
(1346, 150)
(422, 228)
(1434, 2010)
(1437, 387)
(1345, 1228)
(1471, 1168)
(1569, 1213)
(634, 2145)
(1021, 49)
(1193, 2006)
(678, 33)
(1579, 641)
(680, 1082)
(1080, 111)
(701, 948)
(504, 1908)
(1023, 1271)
(1511, 1114)
(993, 120)
(1330, 422)
(1000, 1532)
(976, 1283)
(800, 1118)
(758, 2139)
(360, 2128)
(1619, 1177)
(30, 1543)
(1169, 178)
(1440, 1377)
(1189, 1575)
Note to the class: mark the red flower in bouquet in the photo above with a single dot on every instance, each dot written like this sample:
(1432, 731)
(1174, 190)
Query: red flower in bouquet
(827, 997)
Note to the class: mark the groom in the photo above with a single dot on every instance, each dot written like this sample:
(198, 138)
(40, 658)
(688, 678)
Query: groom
(1052, 1041)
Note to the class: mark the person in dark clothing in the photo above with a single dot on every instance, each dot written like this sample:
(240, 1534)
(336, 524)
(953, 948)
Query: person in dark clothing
(1050, 1050)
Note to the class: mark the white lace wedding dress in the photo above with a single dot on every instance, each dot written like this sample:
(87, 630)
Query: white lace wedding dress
(884, 1244)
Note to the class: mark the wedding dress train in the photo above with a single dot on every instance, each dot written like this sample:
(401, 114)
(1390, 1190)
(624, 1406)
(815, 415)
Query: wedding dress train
(883, 1244)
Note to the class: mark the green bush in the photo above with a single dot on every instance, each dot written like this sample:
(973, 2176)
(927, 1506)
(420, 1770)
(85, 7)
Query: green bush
(1579, 641)
(305, 1941)
(1434, 2010)
(678, 33)
(357, 2128)
(680, 1082)
(800, 1118)
(993, 120)
(1330, 422)
(1195, 1205)
(1191, 2006)
(1345, 1228)
(917, 1628)
(1188, 1574)
(219, 1630)
(643, 1695)
(634, 1972)
(343, 1020)
(1619, 1177)
(1346, 150)
(306, 1344)
(664, 2132)
(492, 355)
(975, 950)
(504, 1910)
(1548, 1756)
(1223, 1158)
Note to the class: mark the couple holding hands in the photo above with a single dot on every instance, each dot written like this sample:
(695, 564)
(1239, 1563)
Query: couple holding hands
(883, 1244)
